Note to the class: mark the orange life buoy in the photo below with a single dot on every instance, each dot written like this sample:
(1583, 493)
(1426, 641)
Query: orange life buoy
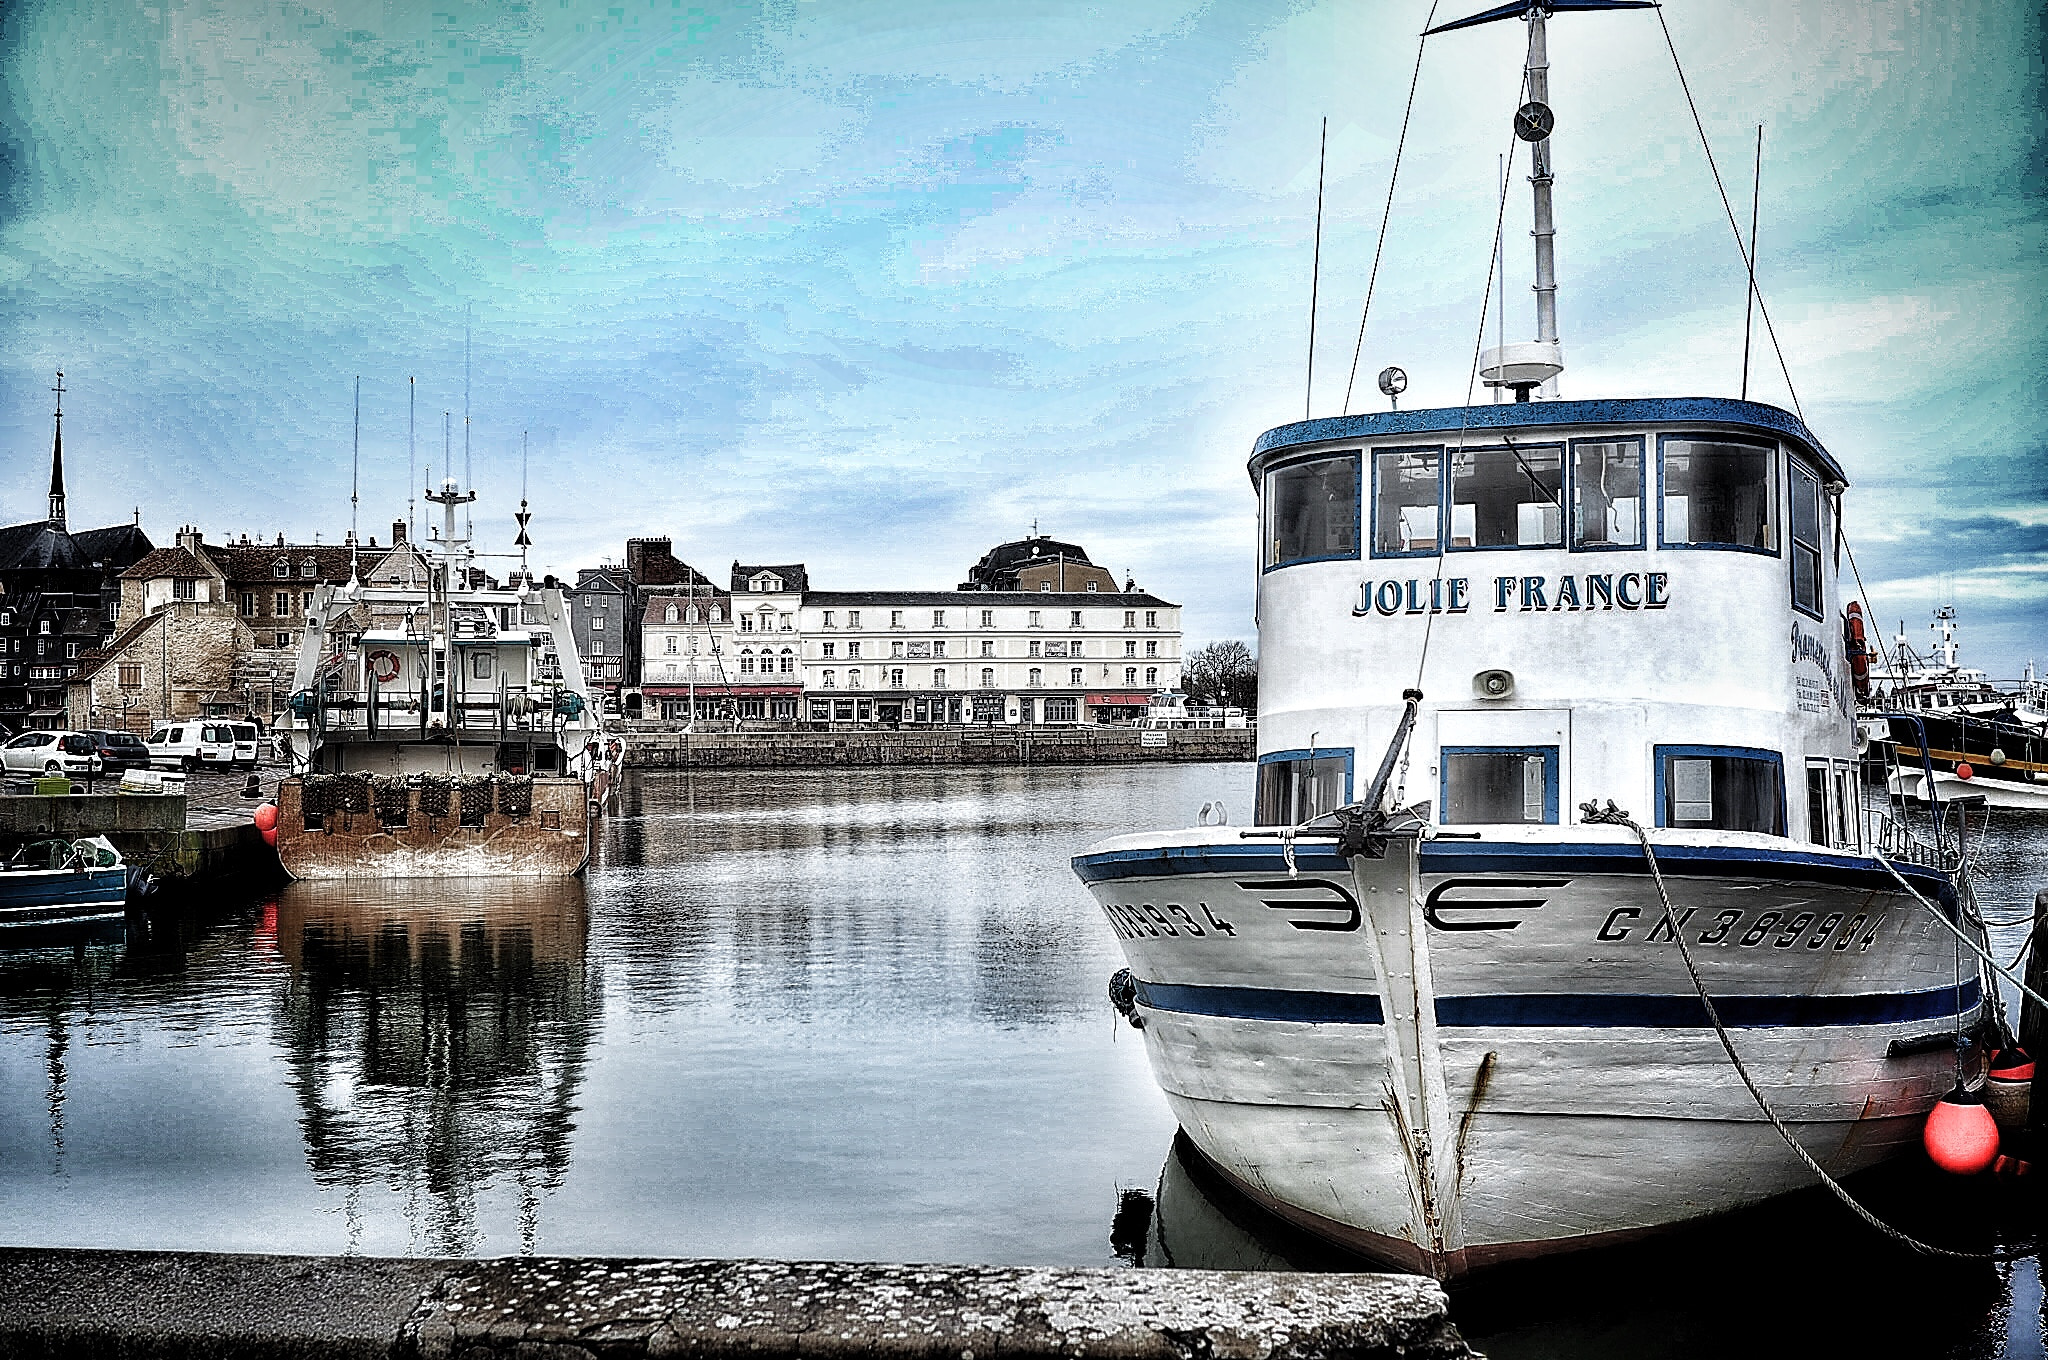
(383, 666)
(1859, 649)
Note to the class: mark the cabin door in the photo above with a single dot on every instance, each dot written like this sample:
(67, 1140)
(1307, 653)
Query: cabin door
(1499, 765)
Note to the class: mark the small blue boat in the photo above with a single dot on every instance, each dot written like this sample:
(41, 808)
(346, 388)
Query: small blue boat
(63, 880)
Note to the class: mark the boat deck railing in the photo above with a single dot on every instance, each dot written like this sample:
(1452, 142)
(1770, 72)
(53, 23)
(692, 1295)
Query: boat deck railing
(1896, 840)
(347, 713)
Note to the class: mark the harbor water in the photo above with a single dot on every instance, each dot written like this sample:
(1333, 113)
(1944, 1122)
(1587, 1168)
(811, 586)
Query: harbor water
(809, 1014)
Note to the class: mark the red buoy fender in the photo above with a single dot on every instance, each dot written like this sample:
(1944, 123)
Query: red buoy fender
(1961, 1137)
(1963, 771)
(265, 816)
(269, 834)
(1858, 648)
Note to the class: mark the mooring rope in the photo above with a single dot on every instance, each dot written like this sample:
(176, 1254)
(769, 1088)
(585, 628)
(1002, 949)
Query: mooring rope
(1615, 816)
(1942, 917)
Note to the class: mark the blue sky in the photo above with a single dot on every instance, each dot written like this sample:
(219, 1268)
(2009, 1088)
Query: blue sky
(875, 285)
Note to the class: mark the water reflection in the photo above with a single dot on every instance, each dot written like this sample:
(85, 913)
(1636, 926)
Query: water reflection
(436, 1035)
(1796, 1277)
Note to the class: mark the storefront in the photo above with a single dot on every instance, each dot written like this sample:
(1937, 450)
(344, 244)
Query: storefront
(744, 703)
(1118, 707)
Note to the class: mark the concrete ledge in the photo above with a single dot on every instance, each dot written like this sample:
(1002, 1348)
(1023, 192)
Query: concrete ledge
(178, 1304)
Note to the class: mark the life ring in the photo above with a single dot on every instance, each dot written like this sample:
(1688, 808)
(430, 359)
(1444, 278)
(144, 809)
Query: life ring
(383, 666)
(1858, 648)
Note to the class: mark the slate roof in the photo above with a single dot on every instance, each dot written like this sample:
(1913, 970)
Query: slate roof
(117, 545)
(256, 563)
(177, 563)
(40, 545)
(793, 575)
(657, 608)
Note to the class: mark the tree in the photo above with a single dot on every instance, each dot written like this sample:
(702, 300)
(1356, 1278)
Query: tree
(1222, 674)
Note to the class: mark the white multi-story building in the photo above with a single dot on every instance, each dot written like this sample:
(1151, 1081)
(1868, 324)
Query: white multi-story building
(687, 663)
(1026, 657)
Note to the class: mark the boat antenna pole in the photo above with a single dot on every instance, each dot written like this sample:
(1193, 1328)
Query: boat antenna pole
(525, 572)
(355, 479)
(468, 482)
(412, 455)
(1315, 273)
(1540, 179)
(1749, 297)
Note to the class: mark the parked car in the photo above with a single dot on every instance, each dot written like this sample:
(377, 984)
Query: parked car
(119, 751)
(191, 744)
(246, 743)
(49, 752)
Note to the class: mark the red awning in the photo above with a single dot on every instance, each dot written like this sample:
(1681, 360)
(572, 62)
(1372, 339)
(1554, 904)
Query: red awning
(1106, 700)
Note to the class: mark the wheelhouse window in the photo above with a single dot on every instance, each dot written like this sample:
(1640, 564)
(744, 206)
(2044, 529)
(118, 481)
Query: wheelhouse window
(1507, 497)
(1312, 511)
(1720, 788)
(1607, 494)
(1297, 785)
(1805, 525)
(1496, 784)
(1407, 494)
(1719, 494)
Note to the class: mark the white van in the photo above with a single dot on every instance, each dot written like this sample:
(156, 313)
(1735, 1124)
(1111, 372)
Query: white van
(188, 745)
(245, 744)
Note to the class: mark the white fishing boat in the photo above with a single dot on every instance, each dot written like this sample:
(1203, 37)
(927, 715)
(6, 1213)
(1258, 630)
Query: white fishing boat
(442, 730)
(1433, 1006)
(1946, 733)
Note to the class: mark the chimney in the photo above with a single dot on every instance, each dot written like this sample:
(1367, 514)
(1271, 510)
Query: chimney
(189, 538)
(397, 532)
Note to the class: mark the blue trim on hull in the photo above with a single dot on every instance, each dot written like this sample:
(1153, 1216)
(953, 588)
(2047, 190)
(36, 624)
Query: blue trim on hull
(1469, 857)
(1571, 1010)
(35, 893)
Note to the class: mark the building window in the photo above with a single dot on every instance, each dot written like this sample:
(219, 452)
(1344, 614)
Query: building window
(689, 613)
(1718, 494)
(71, 651)
(1090, 587)
(1725, 788)
(1311, 511)
(717, 614)
(853, 618)
(895, 649)
(1297, 785)
(938, 618)
(597, 647)
(785, 622)
(597, 623)
(853, 678)
(939, 647)
(131, 677)
(1151, 675)
(895, 677)
(280, 640)
(988, 677)
(988, 647)
(1033, 647)
(895, 618)
(988, 618)
(1805, 525)
(1045, 587)
(853, 650)
(746, 623)
(45, 626)
(830, 682)
(1062, 710)
(746, 663)
(826, 619)
(1033, 621)
(248, 604)
(1036, 679)
(669, 644)
(282, 570)
(1073, 618)
(938, 677)
(1130, 618)
(184, 589)
(306, 602)
(1130, 675)
(1074, 677)
(1607, 494)
(1151, 649)
(1151, 618)
(282, 605)
(788, 666)
(694, 640)
(1130, 648)
(309, 569)
(826, 649)
(43, 644)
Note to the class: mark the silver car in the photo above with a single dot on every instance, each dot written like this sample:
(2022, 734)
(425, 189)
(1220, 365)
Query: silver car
(65, 753)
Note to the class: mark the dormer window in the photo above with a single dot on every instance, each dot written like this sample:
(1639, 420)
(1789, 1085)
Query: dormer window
(670, 614)
(767, 584)
(309, 568)
(282, 570)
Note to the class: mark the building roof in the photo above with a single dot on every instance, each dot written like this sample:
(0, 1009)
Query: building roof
(178, 563)
(983, 599)
(997, 569)
(40, 545)
(794, 577)
(256, 563)
(657, 606)
(608, 580)
(117, 545)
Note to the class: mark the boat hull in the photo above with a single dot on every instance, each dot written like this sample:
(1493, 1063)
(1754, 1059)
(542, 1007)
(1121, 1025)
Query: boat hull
(36, 897)
(1911, 785)
(546, 834)
(1469, 1054)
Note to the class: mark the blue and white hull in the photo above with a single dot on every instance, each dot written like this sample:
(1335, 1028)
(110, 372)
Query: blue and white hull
(1473, 1051)
(90, 885)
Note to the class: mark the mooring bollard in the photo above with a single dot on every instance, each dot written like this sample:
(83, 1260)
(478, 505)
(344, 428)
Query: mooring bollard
(2034, 1017)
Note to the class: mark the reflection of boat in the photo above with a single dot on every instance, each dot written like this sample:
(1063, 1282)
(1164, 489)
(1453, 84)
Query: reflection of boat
(51, 881)
(1468, 1028)
(437, 1040)
(445, 729)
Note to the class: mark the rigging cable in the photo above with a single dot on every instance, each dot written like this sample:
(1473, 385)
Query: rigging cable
(1392, 179)
(1614, 816)
(1729, 209)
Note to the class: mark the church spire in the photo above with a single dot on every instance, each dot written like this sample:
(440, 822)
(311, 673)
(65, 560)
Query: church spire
(57, 458)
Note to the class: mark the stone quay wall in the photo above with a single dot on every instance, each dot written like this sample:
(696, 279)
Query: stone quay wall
(669, 749)
(169, 1305)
